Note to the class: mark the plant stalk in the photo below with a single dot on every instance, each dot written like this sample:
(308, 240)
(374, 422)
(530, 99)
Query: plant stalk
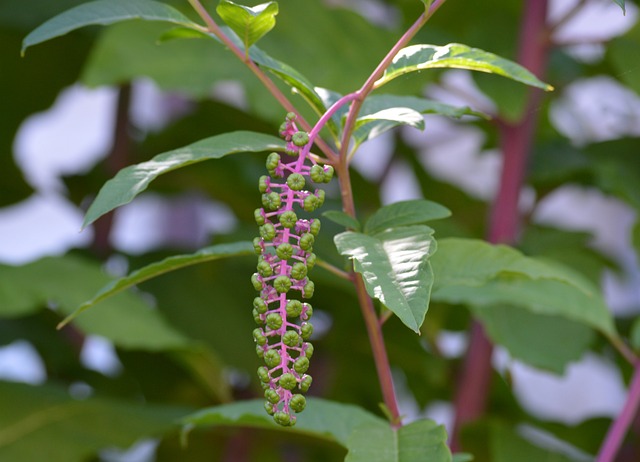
(472, 392)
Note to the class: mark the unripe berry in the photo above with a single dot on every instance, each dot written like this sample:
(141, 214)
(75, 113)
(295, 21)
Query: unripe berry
(269, 408)
(314, 227)
(287, 381)
(260, 305)
(311, 261)
(328, 173)
(259, 216)
(308, 349)
(291, 338)
(282, 418)
(271, 201)
(288, 219)
(291, 116)
(272, 396)
(259, 337)
(298, 403)
(263, 184)
(296, 181)
(310, 203)
(264, 269)
(257, 283)
(263, 374)
(273, 160)
(257, 317)
(257, 248)
(284, 251)
(267, 232)
(306, 241)
(306, 330)
(294, 308)
(299, 271)
(320, 194)
(307, 290)
(272, 358)
(274, 321)
(291, 150)
(305, 383)
(260, 351)
(300, 365)
(282, 284)
(300, 138)
(317, 174)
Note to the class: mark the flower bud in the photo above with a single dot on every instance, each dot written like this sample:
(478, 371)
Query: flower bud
(328, 173)
(260, 305)
(263, 374)
(259, 216)
(300, 365)
(284, 251)
(308, 289)
(255, 280)
(271, 201)
(273, 160)
(311, 261)
(263, 184)
(272, 396)
(306, 241)
(299, 271)
(314, 227)
(308, 349)
(269, 408)
(257, 247)
(294, 308)
(291, 338)
(264, 269)
(267, 232)
(259, 337)
(282, 418)
(310, 203)
(317, 174)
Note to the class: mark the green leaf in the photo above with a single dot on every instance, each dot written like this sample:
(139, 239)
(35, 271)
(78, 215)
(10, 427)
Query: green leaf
(419, 441)
(634, 335)
(371, 125)
(405, 213)
(64, 283)
(172, 263)
(322, 419)
(395, 268)
(455, 55)
(621, 4)
(376, 103)
(104, 12)
(462, 457)
(39, 420)
(132, 180)
(545, 342)
(343, 219)
(249, 23)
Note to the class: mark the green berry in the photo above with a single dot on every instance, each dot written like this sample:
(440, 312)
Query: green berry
(328, 173)
(294, 308)
(272, 358)
(259, 337)
(307, 311)
(317, 174)
(301, 364)
(274, 321)
(273, 160)
(290, 116)
(311, 261)
(287, 381)
(257, 248)
(306, 241)
(288, 219)
(284, 251)
(299, 271)
(298, 403)
(259, 216)
(305, 383)
(308, 349)
(314, 227)
(307, 290)
(320, 194)
(271, 201)
(306, 330)
(282, 284)
(267, 231)
(300, 138)
(263, 184)
(310, 203)
(291, 338)
(257, 317)
(255, 280)
(282, 418)
(259, 351)
(272, 396)
(263, 374)
(264, 269)
(260, 305)
(296, 181)
(293, 152)
(269, 408)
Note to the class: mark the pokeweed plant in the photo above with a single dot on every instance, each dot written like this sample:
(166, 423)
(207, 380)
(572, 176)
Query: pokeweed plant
(393, 256)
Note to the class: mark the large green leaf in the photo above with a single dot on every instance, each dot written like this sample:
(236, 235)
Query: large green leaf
(404, 213)
(46, 421)
(249, 23)
(545, 342)
(64, 283)
(132, 180)
(421, 441)
(455, 55)
(395, 268)
(323, 419)
(104, 12)
(152, 270)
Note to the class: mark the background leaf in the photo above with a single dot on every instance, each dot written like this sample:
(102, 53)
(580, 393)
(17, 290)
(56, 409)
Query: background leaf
(341, 218)
(132, 180)
(405, 213)
(395, 268)
(249, 23)
(455, 55)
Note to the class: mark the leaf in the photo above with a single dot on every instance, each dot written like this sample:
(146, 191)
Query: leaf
(104, 12)
(132, 180)
(634, 335)
(545, 342)
(172, 263)
(395, 268)
(462, 457)
(65, 282)
(45, 419)
(621, 4)
(455, 55)
(375, 103)
(249, 23)
(421, 441)
(372, 125)
(322, 419)
(405, 213)
(343, 219)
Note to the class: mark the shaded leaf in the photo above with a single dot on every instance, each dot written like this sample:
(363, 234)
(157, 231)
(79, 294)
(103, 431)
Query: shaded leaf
(132, 180)
(405, 213)
(64, 283)
(421, 441)
(104, 12)
(462, 457)
(152, 270)
(323, 419)
(343, 219)
(395, 267)
(39, 420)
(455, 55)
(249, 23)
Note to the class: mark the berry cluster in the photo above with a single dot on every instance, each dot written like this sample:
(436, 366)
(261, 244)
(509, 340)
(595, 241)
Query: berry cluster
(285, 249)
